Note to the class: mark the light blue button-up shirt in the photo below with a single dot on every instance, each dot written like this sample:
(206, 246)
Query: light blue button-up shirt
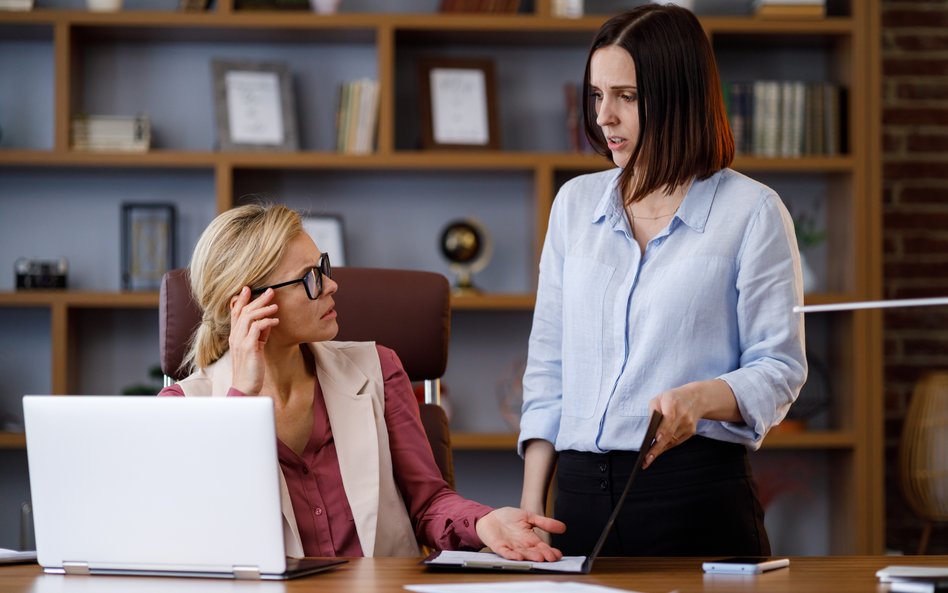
(711, 297)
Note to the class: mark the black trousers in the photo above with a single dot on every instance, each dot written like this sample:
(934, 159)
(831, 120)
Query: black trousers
(696, 499)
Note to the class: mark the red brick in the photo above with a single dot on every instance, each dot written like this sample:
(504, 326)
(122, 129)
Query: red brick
(904, 219)
(920, 245)
(923, 347)
(916, 319)
(935, 196)
(922, 90)
(921, 42)
(914, 116)
(911, 66)
(907, 17)
(915, 170)
(928, 143)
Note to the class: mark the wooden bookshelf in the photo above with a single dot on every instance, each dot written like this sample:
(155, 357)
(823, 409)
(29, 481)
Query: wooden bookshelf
(852, 182)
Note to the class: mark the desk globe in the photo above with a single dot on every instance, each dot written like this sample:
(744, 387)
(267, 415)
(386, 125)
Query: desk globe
(467, 246)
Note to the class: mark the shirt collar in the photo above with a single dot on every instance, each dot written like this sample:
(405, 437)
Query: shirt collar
(694, 210)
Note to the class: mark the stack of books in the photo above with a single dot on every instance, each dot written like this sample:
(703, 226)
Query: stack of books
(914, 579)
(357, 117)
(111, 132)
(16, 4)
(495, 6)
(787, 118)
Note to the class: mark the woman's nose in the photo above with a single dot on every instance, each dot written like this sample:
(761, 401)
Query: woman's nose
(605, 116)
(330, 286)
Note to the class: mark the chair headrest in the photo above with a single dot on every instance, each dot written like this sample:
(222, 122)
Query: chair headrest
(408, 311)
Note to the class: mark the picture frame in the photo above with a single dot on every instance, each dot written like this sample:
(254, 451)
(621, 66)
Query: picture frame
(254, 106)
(148, 244)
(328, 233)
(458, 104)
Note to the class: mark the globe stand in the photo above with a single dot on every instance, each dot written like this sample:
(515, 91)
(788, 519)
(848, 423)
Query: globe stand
(467, 247)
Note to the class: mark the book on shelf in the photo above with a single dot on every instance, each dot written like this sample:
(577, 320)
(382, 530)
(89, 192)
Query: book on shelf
(790, 9)
(20, 5)
(357, 116)
(787, 119)
(487, 6)
(111, 132)
(575, 130)
(193, 5)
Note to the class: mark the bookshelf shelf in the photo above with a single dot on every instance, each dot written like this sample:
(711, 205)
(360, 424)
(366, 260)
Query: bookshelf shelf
(76, 43)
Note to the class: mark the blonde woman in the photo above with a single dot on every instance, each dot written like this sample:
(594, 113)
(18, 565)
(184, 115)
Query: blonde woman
(358, 477)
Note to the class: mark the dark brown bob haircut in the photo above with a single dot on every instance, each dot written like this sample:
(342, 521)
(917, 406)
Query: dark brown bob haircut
(683, 126)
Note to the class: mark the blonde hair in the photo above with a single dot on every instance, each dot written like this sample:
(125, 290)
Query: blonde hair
(241, 247)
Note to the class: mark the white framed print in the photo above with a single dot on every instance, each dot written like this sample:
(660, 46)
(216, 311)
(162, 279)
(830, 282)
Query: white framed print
(458, 104)
(254, 106)
(327, 231)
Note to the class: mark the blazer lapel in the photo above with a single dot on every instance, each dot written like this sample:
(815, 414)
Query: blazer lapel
(353, 429)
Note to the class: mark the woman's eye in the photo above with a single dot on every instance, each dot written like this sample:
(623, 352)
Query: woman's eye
(629, 98)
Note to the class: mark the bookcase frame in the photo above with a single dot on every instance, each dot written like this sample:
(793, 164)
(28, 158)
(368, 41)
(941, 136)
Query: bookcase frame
(854, 444)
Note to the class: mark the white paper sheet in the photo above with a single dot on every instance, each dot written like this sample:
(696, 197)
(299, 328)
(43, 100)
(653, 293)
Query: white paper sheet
(12, 556)
(487, 560)
(516, 587)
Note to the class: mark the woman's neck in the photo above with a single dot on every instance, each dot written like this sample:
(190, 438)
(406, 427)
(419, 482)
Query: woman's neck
(288, 366)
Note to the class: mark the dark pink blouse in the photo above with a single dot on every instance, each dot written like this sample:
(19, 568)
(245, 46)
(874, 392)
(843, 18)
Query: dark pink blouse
(441, 518)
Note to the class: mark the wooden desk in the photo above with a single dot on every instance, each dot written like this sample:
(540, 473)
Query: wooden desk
(840, 574)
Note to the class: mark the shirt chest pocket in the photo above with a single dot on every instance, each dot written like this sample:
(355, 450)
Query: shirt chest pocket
(585, 284)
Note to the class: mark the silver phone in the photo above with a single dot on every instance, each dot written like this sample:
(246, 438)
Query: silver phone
(745, 565)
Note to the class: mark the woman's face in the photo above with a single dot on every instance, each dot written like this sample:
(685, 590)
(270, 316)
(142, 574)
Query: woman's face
(302, 320)
(612, 83)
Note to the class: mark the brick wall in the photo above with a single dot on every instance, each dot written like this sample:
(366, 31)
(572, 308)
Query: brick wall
(915, 210)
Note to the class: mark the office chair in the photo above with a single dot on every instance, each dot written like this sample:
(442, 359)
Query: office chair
(405, 310)
(923, 453)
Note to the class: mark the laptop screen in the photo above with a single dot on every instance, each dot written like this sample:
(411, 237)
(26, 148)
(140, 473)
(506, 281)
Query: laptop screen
(156, 484)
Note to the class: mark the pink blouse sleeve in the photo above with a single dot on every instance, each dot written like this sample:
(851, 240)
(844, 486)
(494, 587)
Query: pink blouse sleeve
(441, 517)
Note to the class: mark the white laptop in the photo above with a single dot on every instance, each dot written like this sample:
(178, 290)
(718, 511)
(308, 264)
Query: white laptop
(158, 486)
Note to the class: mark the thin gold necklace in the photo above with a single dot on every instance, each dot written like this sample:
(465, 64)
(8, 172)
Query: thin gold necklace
(632, 216)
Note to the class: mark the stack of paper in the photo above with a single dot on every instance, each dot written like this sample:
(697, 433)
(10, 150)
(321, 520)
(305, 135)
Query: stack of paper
(15, 557)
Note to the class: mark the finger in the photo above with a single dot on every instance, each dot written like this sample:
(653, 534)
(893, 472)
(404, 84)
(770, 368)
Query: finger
(547, 524)
(508, 553)
(255, 333)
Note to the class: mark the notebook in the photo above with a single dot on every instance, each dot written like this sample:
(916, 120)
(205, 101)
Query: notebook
(446, 560)
(158, 486)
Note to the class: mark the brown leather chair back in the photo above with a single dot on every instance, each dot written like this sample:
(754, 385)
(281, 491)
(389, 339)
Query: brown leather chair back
(406, 310)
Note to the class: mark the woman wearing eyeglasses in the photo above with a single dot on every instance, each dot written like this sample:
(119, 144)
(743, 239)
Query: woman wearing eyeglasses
(269, 318)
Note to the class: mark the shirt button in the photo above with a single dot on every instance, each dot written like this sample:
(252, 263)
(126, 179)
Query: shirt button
(603, 484)
(603, 467)
(467, 523)
(305, 470)
(318, 511)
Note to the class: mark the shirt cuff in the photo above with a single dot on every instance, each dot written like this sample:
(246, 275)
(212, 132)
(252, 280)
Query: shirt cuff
(752, 429)
(538, 424)
(466, 531)
(234, 392)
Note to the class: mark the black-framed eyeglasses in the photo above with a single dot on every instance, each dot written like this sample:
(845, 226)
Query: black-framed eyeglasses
(312, 281)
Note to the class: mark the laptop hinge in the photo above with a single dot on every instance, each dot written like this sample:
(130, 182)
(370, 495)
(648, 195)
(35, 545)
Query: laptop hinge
(76, 568)
(247, 572)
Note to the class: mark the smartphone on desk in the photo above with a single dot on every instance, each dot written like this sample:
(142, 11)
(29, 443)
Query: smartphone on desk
(745, 565)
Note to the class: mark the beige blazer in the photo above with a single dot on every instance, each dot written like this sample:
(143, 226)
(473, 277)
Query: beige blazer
(350, 376)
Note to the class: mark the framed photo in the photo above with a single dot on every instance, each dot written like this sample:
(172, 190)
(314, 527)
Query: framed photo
(458, 104)
(254, 106)
(327, 232)
(148, 244)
